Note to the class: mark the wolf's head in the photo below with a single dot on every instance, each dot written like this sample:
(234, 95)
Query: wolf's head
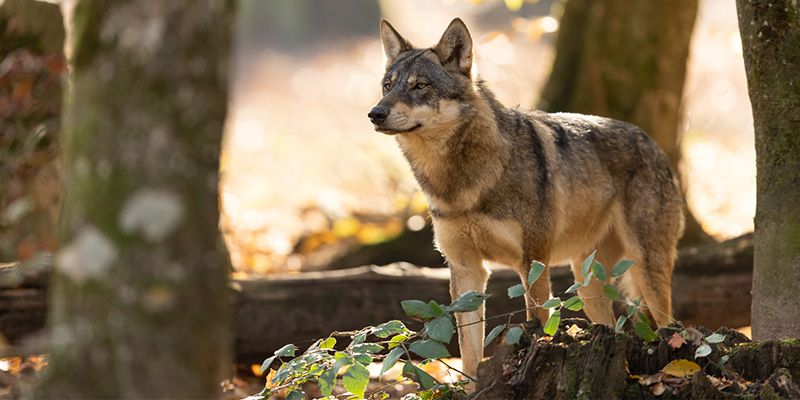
(424, 89)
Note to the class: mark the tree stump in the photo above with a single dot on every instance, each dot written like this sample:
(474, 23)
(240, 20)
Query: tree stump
(594, 362)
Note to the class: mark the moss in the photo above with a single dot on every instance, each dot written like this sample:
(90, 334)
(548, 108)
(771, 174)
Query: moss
(573, 367)
(768, 393)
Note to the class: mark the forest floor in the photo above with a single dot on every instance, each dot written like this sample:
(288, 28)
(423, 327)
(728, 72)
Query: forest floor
(18, 376)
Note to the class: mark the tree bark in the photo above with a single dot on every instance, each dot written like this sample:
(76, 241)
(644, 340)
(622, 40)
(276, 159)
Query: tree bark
(771, 42)
(139, 305)
(711, 288)
(597, 363)
(626, 60)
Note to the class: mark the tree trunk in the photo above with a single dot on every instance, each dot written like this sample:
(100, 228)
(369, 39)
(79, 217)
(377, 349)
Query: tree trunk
(626, 60)
(771, 42)
(139, 305)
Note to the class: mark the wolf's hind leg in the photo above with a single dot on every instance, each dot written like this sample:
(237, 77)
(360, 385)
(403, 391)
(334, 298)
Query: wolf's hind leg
(468, 273)
(650, 278)
(596, 305)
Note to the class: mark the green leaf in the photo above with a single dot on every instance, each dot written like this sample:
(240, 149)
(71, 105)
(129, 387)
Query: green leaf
(536, 271)
(644, 331)
(610, 292)
(574, 303)
(631, 310)
(469, 301)
(554, 302)
(722, 361)
(286, 351)
(551, 326)
(514, 335)
(327, 343)
(429, 349)
(359, 338)
(417, 309)
(440, 329)
(645, 318)
(265, 365)
(516, 291)
(327, 381)
(363, 358)
(702, 351)
(390, 328)
(621, 267)
(599, 270)
(575, 286)
(296, 394)
(391, 359)
(423, 378)
(436, 308)
(587, 263)
(342, 360)
(397, 339)
(588, 279)
(620, 323)
(496, 331)
(715, 338)
(369, 348)
(355, 379)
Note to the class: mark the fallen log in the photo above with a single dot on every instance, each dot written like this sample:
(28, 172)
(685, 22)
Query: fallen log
(711, 287)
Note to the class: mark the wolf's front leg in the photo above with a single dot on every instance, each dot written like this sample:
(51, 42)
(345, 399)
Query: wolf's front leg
(537, 294)
(468, 273)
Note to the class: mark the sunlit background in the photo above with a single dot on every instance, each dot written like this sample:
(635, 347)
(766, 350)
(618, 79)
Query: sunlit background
(305, 174)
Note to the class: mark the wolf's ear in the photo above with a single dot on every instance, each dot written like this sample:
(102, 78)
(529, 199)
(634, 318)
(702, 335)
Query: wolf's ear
(455, 48)
(393, 43)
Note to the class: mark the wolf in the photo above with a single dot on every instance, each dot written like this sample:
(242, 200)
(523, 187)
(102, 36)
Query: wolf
(509, 187)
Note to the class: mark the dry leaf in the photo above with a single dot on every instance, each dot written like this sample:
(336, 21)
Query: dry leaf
(658, 389)
(719, 383)
(681, 368)
(513, 5)
(676, 341)
(694, 336)
(573, 330)
(648, 380)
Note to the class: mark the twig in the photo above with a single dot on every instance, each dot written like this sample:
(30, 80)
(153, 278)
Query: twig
(457, 370)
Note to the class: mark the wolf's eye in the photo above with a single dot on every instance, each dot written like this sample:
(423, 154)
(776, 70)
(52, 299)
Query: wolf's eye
(420, 85)
(387, 85)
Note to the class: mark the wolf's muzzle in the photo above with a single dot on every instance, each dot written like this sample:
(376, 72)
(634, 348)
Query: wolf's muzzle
(378, 115)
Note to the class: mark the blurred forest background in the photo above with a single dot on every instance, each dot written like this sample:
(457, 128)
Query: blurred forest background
(307, 185)
(306, 178)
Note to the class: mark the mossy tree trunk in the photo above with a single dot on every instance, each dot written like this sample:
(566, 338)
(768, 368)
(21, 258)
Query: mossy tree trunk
(626, 60)
(139, 302)
(771, 42)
